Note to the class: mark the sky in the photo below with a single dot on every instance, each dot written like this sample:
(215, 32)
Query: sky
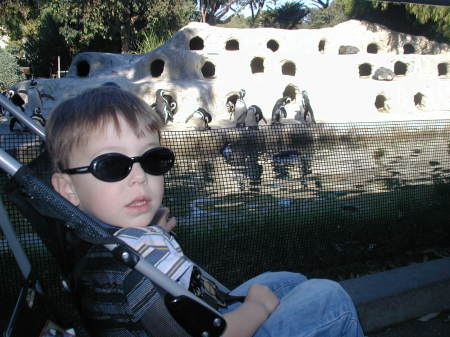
(307, 3)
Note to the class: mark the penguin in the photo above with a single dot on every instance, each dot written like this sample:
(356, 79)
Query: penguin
(35, 97)
(254, 116)
(16, 99)
(305, 113)
(200, 118)
(226, 151)
(236, 106)
(2, 109)
(279, 110)
(165, 105)
(37, 116)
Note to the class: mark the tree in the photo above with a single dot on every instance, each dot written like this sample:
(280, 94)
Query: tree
(19, 16)
(430, 21)
(43, 48)
(214, 11)
(287, 16)
(120, 24)
(326, 17)
(10, 72)
(256, 7)
(436, 16)
(321, 3)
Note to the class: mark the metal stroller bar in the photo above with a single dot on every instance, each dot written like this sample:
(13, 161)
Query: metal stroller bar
(27, 121)
(19, 253)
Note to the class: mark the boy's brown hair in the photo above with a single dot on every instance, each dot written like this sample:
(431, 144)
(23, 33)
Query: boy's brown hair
(74, 120)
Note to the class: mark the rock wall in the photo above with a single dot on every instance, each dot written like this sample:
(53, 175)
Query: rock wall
(201, 64)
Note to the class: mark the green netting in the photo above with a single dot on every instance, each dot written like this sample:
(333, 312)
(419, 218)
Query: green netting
(332, 200)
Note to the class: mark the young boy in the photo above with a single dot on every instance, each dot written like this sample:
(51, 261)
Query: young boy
(108, 161)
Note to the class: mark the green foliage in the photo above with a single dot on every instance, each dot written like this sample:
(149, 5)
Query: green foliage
(287, 16)
(43, 48)
(150, 42)
(430, 21)
(15, 15)
(436, 16)
(10, 72)
(236, 22)
(121, 25)
(326, 17)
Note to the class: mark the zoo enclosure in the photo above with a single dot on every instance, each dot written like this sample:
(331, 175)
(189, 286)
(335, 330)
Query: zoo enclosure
(330, 200)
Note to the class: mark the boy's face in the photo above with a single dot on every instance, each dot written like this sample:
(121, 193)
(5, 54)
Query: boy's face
(131, 202)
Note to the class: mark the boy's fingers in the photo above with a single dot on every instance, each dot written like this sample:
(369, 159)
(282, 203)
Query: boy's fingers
(160, 214)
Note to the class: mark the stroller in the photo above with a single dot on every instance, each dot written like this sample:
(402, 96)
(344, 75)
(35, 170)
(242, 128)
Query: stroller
(180, 312)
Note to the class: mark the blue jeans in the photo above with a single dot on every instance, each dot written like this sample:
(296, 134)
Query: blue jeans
(307, 308)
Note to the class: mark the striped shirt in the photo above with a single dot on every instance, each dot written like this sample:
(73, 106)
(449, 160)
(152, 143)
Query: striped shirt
(160, 249)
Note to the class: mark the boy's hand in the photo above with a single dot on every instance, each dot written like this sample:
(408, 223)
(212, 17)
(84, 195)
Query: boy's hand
(263, 296)
(164, 219)
(259, 303)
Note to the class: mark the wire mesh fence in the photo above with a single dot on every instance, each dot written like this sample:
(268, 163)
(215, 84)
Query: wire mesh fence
(331, 200)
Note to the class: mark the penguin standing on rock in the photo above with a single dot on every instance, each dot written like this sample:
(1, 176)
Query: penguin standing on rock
(200, 119)
(254, 116)
(165, 105)
(236, 106)
(279, 110)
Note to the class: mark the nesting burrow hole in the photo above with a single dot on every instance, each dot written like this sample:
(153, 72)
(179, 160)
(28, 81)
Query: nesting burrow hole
(83, 68)
(196, 43)
(442, 69)
(288, 68)
(290, 91)
(157, 67)
(321, 46)
(273, 45)
(208, 69)
(381, 103)
(408, 48)
(257, 65)
(419, 100)
(372, 48)
(365, 70)
(232, 44)
(400, 68)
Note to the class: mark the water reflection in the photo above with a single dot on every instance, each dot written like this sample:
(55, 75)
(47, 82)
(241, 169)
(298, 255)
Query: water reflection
(251, 174)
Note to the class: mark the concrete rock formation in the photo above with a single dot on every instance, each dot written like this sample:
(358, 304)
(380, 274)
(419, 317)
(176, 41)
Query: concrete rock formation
(201, 64)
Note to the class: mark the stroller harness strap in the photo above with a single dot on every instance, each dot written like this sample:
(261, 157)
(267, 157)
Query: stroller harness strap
(161, 249)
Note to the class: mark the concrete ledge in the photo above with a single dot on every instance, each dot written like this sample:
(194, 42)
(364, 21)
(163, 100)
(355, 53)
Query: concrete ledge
(401, 294)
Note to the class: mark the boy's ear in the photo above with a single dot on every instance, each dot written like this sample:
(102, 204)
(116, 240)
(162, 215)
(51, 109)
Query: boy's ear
(63, 185)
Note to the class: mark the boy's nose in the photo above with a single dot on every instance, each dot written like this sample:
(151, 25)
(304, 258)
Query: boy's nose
(137, 174)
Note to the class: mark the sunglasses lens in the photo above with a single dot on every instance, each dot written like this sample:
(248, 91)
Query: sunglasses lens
(158, 161)
(112, 167)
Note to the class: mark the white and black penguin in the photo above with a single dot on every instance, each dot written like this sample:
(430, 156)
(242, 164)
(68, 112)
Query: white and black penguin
(16, 99)
(254, 116)
(279, 110)
(200, 119)
(38, 117)
(236, 107)
(226, 151)
(305, 113)
(165, 105)
(35, 98)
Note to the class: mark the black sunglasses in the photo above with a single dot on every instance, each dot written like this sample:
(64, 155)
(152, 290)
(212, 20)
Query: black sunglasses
(112, 167)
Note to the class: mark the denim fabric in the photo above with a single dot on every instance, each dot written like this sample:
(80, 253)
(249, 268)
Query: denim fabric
(307, 308)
